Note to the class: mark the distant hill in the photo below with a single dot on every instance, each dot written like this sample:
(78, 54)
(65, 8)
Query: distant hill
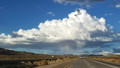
(11, 52)
(90, 55)
(112, 55)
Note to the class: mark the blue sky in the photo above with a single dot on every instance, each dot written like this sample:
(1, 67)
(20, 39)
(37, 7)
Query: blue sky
(28, 14)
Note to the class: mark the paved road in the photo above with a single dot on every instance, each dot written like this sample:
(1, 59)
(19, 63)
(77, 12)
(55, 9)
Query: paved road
(61, 64)
(88, 63)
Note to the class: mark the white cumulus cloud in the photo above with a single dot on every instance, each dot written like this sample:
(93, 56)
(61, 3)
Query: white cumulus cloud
(77, 30)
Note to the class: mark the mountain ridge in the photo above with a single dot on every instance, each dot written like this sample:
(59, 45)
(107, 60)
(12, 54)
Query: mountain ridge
(12, 52)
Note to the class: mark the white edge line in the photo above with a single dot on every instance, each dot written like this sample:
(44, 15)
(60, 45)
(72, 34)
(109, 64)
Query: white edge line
(86, 62)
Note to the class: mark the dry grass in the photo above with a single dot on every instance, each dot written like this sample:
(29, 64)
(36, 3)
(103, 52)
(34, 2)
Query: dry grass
(115, 59)
(44, 62)
(20, 61)
(40, 63)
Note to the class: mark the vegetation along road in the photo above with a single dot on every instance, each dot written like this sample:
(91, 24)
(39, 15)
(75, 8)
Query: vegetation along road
(85, 63)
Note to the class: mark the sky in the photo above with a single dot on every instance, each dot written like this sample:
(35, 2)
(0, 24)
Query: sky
(61, 26)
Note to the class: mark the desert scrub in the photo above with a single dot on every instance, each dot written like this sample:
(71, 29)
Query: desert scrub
(40, 63)
(109, 59)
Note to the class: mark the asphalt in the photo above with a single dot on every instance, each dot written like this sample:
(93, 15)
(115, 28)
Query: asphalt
(65, 64)
(88, 63)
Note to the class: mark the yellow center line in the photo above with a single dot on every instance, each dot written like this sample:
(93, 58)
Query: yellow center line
(68, 64)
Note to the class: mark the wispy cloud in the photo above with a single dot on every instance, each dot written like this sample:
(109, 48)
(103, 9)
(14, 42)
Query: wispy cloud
(117, 6)
(1, 7)
(119, 22)
(108, 14)
(80, 2)
(51, 13)
(38, 6)
(105, 53)
(116, 50)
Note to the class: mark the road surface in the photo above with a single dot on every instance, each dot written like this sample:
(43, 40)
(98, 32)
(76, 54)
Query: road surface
(82, 63)
(88, 63)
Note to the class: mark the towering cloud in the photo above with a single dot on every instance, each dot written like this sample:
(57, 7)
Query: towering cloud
(80, 29)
